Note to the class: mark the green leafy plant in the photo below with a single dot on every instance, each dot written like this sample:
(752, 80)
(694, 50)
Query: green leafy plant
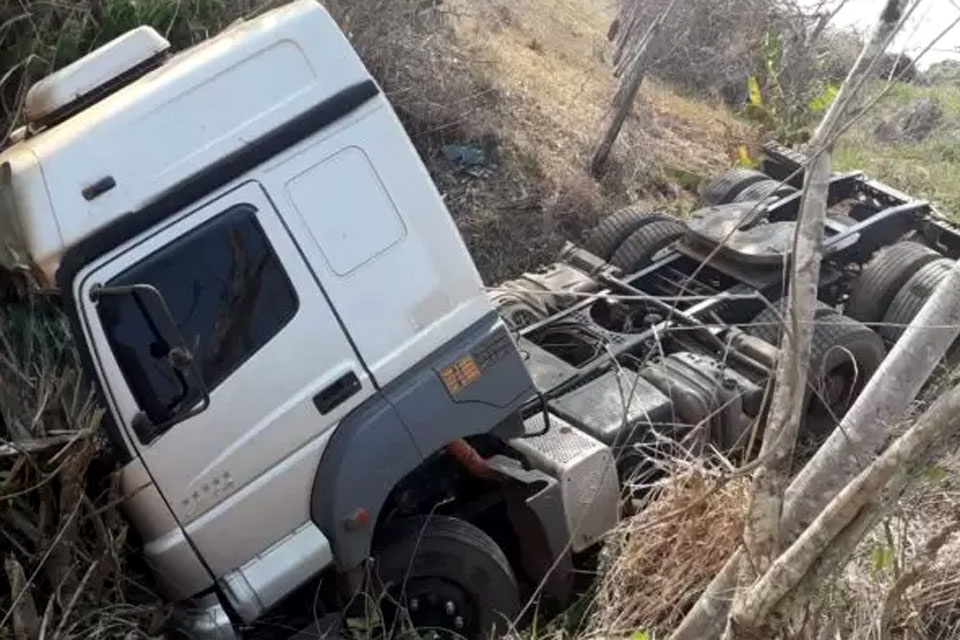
(881, 558)
(744, 159)
(786, 112)
(819, 103)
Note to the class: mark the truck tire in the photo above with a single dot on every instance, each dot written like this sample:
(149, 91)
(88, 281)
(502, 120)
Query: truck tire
(615, 228)
(883, 276)
(725, 187)
(844, 354)
(448, 574)
(911, 296)
(764, 189)
(639, 247)
(766, 324)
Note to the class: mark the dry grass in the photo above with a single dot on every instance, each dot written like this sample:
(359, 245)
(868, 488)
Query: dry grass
(63, 542)
(539, 84)
(656, 563)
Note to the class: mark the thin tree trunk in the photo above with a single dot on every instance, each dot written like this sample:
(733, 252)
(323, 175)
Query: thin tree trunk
(626, 94)
(786, 572)
(763, 535)
(762, 526)
(861, 434)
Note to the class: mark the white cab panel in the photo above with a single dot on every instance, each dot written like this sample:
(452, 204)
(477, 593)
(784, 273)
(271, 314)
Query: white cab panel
(202, 105)
(355, 220)
(408, 298)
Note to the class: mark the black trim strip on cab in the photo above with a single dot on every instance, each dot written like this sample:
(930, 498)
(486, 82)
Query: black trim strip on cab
(187, 192)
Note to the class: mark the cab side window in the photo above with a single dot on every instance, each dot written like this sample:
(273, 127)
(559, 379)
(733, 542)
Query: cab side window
(227, 292)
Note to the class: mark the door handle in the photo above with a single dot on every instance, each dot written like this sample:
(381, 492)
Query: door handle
(337, 393)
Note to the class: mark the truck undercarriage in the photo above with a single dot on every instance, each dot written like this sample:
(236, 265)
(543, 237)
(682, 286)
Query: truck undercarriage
(660, 337)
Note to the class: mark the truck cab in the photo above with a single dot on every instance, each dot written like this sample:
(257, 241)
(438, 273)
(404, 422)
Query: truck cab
(283, 320)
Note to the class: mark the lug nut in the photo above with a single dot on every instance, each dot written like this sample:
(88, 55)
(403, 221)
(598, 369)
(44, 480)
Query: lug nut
(458, 622)
(449, 607)
(414, 604)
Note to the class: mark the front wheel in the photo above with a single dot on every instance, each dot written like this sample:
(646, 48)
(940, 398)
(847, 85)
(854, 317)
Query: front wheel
(446, 576)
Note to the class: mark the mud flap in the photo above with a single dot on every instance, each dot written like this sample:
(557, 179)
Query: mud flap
(535, 509)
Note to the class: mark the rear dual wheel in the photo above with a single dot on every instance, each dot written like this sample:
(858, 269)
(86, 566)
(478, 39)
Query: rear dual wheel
(844, 354)
(638, 249)
(911, 297)
(883, 277)
(613, 230)
(728, 185)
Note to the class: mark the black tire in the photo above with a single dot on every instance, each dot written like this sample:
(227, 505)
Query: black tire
(759, 191)
(639, 247)
(883, 277)
(439, 559)
(844, 355)
(725, 187)
(911, 296)
(615, 228)
(766, 324)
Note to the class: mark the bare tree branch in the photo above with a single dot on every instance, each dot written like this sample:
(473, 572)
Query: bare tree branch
(762, 531)
(788, 569)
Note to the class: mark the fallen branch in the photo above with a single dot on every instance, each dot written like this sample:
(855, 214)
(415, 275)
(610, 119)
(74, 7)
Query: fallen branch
(626, 94)
(39, 445)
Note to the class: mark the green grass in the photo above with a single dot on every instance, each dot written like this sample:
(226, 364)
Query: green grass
(927, 169)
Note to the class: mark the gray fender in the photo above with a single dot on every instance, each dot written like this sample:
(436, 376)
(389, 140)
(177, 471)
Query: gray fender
(388, 436)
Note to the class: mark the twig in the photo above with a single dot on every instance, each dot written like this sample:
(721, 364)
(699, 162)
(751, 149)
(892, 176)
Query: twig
(73, 599)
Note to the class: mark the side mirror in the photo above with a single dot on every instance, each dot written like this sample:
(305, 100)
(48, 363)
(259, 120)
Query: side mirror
(175, 352)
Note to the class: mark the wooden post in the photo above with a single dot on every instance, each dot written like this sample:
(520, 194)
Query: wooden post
(627, 93)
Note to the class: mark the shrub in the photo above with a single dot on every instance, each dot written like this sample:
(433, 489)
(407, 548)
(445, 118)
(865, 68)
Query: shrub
(722, 48)
(896, 65)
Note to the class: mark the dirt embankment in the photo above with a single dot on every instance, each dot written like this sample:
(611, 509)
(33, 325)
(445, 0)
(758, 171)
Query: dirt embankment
(504, 101)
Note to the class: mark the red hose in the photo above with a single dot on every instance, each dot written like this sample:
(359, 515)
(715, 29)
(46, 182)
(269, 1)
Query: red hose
(470, 460)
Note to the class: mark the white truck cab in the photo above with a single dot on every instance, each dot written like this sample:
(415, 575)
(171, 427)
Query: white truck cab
(280, 313)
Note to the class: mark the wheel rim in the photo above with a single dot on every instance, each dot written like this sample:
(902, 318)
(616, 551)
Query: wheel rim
(835, 391)
(439, 608)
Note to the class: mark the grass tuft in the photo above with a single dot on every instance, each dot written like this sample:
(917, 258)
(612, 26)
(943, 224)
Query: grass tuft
(929, 168)
(656, 563)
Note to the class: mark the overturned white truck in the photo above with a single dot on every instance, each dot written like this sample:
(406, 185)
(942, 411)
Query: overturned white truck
(303, 371)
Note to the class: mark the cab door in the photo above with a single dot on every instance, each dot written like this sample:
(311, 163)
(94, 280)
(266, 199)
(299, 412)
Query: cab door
(277, 368)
